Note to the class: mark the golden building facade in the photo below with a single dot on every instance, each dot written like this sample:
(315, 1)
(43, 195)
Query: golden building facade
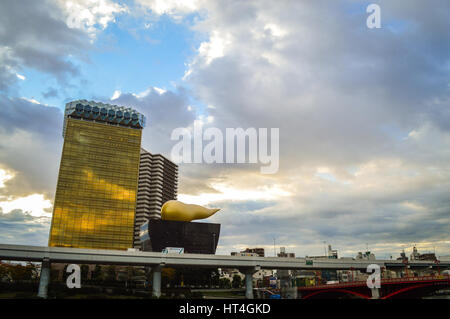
(95, 198)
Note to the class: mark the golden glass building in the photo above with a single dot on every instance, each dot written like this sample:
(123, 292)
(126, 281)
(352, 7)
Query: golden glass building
(95, 197)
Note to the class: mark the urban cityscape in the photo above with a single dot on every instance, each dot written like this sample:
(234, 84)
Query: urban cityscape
(203, 150)
(111, 195)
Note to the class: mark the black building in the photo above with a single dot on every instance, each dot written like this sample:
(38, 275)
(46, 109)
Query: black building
(195, 238)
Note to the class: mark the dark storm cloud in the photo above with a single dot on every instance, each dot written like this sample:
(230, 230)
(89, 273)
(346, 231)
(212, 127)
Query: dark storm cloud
(20, 114)
(369, 105)
(336, 85)
(18, 227)
(30, 145)
(347, 229)
(164, 112)
(51, 92)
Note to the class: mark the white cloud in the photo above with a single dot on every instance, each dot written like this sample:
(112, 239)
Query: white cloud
(276, 30)
(159, 90)
(229, 193)
(175, 8)
(90, 15)
(148, 91)
(116, 94)
(31, 100)
(20, 77)
(35, 204)
(215, 47)
(5, 175)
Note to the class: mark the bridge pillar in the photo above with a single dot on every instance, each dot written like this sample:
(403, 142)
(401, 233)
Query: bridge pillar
(249, 284)
(287, 291)
(249, 281)
(44, 278)
(156, 285)
(375, 293)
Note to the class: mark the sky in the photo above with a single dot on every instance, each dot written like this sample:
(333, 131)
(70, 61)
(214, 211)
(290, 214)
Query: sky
(363, 114)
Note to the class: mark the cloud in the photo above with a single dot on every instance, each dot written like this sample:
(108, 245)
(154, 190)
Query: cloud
(363, 116)
(115, 95)
(174, 8)
(164, 111)
(370, 106)
(49, 36)
(90, 16)
(34, 204)
(21, 228)
(50, 93)
(30, 115)
(30, 146)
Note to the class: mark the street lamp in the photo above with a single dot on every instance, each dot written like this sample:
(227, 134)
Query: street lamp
(274, 250)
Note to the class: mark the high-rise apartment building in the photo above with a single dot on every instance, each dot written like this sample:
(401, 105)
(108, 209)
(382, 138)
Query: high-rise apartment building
(158, 183)
(95, 199)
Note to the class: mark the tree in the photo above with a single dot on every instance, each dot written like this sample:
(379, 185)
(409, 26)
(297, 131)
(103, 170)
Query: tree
(84, 272)
(97, 274)
(215, 278)
(237, 281)
(4, 272)
(111, 273)
(224, 283)
(23, 273)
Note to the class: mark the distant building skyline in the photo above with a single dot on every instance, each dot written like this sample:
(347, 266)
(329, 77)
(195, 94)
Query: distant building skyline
(284, 254)
(250, 252)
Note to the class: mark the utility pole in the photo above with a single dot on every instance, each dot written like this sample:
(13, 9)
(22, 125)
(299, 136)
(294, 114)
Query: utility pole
(274, 250)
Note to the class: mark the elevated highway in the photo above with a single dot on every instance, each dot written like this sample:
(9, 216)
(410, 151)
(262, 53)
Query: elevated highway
(139, 258)
(156, 260)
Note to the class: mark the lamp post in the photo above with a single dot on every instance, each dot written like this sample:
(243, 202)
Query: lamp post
(405, 261)
(437, 263)
(274, 250)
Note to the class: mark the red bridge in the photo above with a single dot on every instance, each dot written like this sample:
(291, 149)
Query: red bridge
(408, 287)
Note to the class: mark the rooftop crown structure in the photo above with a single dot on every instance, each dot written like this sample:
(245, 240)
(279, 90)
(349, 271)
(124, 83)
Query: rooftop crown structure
(101, 112)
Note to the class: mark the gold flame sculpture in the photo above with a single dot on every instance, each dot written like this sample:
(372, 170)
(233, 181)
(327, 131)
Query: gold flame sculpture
(179, 211)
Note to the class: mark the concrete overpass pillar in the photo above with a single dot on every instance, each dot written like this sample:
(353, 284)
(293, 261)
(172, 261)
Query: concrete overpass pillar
(249, 284)
(249, 281)
(44, 278)
(288, 291)
(375, 293)
(156, 285)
